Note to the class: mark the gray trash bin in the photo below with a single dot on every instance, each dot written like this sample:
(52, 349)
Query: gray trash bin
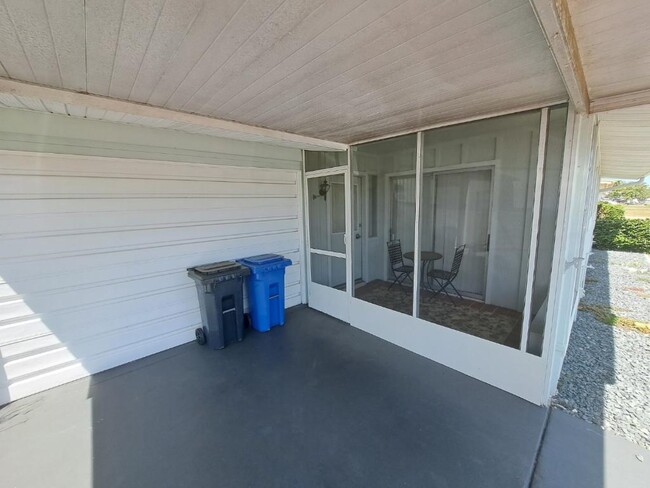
(221, 299)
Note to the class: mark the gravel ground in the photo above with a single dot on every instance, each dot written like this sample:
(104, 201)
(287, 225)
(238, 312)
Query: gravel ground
(621, 281)
(606, 374)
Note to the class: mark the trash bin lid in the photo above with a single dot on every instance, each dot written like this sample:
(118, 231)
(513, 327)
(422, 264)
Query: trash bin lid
(221, 271)
(218, 268)
(262, 260)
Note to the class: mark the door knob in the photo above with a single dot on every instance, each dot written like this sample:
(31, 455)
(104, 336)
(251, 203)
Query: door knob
(358, 236)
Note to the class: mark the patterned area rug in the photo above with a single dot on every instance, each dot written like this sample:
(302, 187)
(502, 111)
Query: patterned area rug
(489, 322)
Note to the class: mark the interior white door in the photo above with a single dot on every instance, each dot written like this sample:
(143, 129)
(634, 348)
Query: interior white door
(462, 216)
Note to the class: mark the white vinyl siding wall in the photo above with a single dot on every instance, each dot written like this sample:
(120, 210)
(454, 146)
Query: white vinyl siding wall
(94, 251)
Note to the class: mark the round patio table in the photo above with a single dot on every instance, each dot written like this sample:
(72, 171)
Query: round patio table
(426, 257)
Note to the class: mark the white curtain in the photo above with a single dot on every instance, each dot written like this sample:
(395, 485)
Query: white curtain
(455, 211)
(402, 213)
(461, 216)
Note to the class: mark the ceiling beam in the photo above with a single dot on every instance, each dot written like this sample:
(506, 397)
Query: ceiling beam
(229, 128)
(625, 100)
(555, 20)
(464, 120)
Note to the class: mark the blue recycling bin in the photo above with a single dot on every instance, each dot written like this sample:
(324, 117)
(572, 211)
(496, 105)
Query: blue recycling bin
(265, 285)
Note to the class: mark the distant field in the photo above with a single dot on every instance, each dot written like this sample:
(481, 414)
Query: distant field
(637, 211)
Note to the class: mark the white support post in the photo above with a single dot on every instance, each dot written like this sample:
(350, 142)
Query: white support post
(561, 228)
(418, 226)
(349, 237)
(303, 232)
(365, 229)
(387, 225)
(534, 231)
(305, 229)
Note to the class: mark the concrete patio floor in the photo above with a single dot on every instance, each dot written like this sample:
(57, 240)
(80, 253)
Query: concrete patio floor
(313, 404)
(578, 454)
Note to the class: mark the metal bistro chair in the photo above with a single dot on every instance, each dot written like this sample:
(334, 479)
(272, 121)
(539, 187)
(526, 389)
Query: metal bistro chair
(445, 278)
(400, 270)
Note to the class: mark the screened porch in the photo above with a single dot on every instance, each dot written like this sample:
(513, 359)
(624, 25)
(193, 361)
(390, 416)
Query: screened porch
(481, 213)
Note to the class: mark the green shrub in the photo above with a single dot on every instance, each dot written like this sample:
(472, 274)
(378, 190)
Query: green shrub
(640, 192)
(613, 234)
(608, 210)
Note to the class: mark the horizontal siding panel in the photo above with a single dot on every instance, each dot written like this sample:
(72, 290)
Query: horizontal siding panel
(101, 242)
(20, 209)
(94, 251)
(99, 319)
(6, 290)
(46, 330)
(22, 130)
(60, 277)
(61, 354)
(16, 271)
(55, 165)
(60, 224)
(95, 345)
(83, 297)
(82, 368)
(47, 351)
(22, 187)
(48, 341)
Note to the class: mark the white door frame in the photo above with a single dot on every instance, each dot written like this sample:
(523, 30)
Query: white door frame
(322, 297)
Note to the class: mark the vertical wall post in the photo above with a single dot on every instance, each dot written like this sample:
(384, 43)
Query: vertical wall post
(349, 236)
(302, 230)
(418, 226)
(306, 272)
(534, 230)
(560, 317)
(387, 225)
(559, 246)
(365, 224)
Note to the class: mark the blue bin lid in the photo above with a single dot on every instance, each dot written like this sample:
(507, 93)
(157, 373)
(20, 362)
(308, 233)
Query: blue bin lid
(262, 260)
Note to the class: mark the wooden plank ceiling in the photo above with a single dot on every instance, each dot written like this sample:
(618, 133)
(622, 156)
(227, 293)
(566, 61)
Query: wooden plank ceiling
(614, 41)
(340, 70)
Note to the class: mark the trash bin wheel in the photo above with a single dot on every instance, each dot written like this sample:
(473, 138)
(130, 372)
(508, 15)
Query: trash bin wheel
(200, 336)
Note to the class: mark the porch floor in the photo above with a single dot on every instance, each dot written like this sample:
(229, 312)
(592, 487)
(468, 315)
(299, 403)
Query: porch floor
(496, 324)
(315, 403)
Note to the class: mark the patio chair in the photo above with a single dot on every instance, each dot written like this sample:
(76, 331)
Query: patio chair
(444, 278)
(400, 270)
